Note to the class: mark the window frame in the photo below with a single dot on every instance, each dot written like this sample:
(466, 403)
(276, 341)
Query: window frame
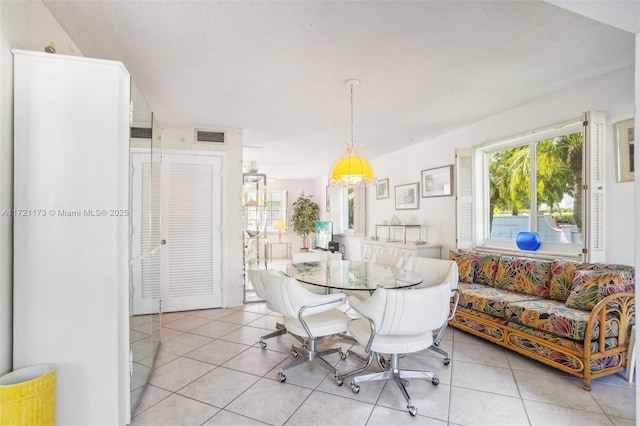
(340, 211)
(284, 210)
(473, 188)
(480, 193)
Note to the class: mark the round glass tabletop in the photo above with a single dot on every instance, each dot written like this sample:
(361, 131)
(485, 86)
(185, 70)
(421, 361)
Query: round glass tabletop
(352, 275)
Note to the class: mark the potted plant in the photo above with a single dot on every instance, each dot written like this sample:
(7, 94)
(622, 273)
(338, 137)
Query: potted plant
(305, 214)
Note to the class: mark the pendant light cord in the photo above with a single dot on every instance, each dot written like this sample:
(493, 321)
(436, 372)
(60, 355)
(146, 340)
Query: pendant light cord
(352, 115)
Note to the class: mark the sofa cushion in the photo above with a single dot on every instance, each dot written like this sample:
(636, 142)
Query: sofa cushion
(561, 280)
(609, 266)
(574, 345)
(475, 267)
(554, 317)
(466, 264)
(489, 300)
(563, 273)
(523, 275)
(485, 268)
(591, 286)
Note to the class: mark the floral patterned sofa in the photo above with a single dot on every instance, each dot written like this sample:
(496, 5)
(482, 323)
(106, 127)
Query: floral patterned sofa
(551, 311)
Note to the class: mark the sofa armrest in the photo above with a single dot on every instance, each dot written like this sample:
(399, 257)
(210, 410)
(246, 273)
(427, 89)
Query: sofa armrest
(620, 305)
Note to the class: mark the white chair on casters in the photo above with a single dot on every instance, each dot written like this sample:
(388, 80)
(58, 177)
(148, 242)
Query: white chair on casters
(434, 272)
(309, 316)
(397, 322)
(258, 278)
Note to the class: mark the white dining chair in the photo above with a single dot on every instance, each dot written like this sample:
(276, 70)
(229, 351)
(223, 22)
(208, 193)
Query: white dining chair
(258, 278)
(397, 322)
(310, 316)
(435, 272)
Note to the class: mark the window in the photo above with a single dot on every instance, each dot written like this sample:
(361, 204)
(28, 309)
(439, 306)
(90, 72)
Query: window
(276, 208)
(534, 182)
(347, 210)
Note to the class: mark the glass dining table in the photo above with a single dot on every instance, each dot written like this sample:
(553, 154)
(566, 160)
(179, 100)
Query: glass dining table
(352, 275)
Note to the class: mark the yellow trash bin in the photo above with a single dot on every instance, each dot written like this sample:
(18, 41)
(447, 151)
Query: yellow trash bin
(28, 396)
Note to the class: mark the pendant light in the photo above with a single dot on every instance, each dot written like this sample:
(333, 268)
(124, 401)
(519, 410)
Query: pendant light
(351, 169)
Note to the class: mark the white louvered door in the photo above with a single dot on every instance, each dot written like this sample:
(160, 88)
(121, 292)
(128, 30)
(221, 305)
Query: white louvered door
(145, 234)
(191, 197)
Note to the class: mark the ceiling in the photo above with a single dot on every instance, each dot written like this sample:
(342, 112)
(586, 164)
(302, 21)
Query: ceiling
(277, 69)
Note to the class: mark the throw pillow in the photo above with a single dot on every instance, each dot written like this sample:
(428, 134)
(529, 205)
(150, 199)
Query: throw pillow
(590, 287)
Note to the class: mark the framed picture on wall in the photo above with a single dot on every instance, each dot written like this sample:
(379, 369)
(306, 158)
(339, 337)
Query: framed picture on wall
(407, 196)
(625, 142)
(437, 182)
(382, 189)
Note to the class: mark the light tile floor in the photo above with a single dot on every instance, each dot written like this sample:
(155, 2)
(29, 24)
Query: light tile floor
(211, 371)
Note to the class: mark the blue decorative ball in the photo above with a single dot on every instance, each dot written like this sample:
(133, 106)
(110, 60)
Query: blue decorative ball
(528, 241)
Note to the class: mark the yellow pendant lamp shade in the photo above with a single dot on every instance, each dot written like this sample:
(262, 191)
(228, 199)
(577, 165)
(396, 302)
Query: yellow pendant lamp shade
(351, 170)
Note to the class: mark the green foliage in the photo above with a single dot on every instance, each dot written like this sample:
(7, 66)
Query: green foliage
(305, 214)
(558, 172)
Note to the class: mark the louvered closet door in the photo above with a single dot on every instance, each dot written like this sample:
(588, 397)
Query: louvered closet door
(145, 234)
(191, 260)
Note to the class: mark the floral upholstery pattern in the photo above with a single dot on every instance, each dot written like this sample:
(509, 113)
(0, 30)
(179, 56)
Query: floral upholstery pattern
(494, 332)
(591, 286)
(523, 275)
(474, 267)
(563, 358)
(465, 261)
(608, 266)
(489, 300)
(555, 318)
(571, 344)
(562, 272)
(486, 267)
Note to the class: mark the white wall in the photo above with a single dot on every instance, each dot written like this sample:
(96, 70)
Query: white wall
(183, 139)
(28, 26)
(612, 94)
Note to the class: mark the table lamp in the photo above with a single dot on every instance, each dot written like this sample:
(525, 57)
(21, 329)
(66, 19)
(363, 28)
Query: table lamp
(280, 226)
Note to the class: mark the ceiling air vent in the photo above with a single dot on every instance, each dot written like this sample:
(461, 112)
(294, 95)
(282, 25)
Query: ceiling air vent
(140, 133)
(207, 136)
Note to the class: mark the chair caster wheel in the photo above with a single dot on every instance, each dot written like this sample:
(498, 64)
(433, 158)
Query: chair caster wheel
(343, 355)
(355, 388)
(263, 345)
(435, 381)
(294, 354)
(283, 378)
(339, 381)
(446, 361)
(413, 410)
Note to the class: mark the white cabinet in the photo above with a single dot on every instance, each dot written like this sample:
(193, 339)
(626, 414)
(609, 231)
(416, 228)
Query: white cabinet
(71, 244)
(368, 248)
